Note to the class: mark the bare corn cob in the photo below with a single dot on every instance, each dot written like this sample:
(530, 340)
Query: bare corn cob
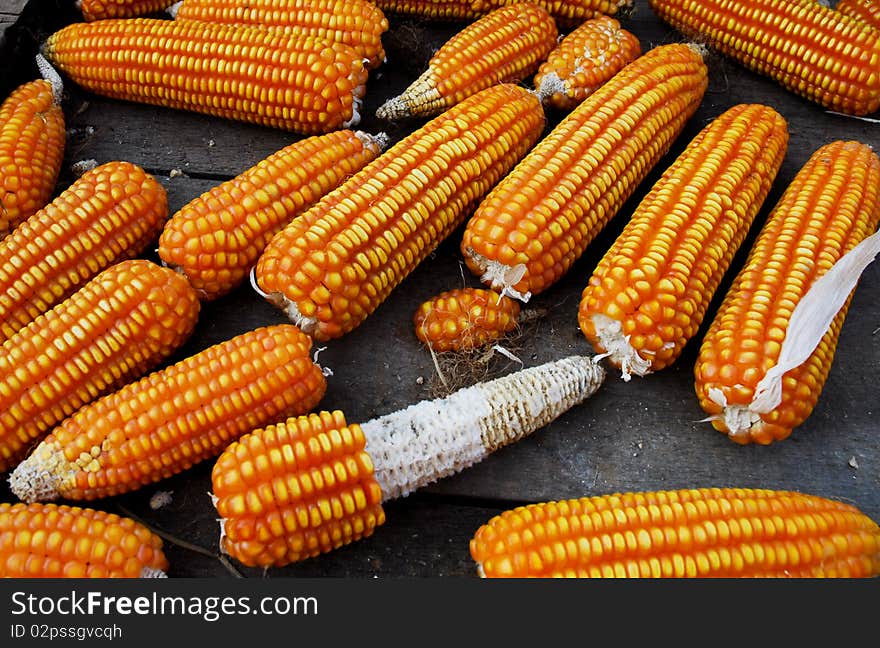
(111, 213)
(215, 239)
(333, 266)
(311, 484)
(648, 294)
(464, 319)
(174, 418)
(303, 84)
(810, 49)
(31, 149)
(357, 23)
(701, 532)
(563, 11)
(118, 326)
(867, 11)
(104, 9)
(584, 60)
(51, 541)
(532, 227)
(505, 46)
(832, 204)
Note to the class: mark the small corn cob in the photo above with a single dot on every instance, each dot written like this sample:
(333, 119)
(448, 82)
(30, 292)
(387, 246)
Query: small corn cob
(648, 294)
(311, 484)
(867, 11)
(51, 541)
(111, 213)
(31, 149)
(565, 12)
(464, 319)
(584, 60)
(104, 9)
(702, 532)
(333, 266)
(832, 204)
(216, 238)
(505, 46)
(811, 50)
(303, 84)
(174, 418)
(118, 326)
(532, 227)
(357, 23)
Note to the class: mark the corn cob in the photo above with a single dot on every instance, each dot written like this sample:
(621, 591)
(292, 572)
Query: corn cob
(867, 11)
(333, 266)
(104, 9)
(51, 541)
(505, 46)
(832, 204)
(702, 532)
(648, 295)
(109, 214)
(584, 60)
(303, 84)
(357, 23)
(31, 149)
(311, 484)
(118, 326)
(533, 226)
(464, 319)
(565, 12)
(814, 51)
(216, 238)
(172, 419)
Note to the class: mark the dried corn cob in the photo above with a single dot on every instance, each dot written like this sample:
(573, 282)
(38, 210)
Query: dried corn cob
(357, 23)
(118, 326)
(563, 11)
(464, 319)
(703, 532)
(215, 239)
(810, 49)
(31, 149)
(311, 484)
(533, 226)
(867, 11)
(304, 84)
(174, 418)
(104, 9)
(584, 60)
(505, 46)
(648, 295)
(51, 541)
(832, 204)
(109, 214)
(333, 266)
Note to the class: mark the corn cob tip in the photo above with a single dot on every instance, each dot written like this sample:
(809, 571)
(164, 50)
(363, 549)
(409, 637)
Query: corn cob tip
(174, 9)
(37, 478)
(499, 276)
(397, 108)
(83, 166)
(617, 347)
(379, 141)
(51, 75)
(549, 85)
(306, 324)
(356, 105)
(152, 572)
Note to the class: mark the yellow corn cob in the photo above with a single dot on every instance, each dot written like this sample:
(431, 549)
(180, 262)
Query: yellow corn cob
(703, 532)
(31, 149)
(867, 11)
(51, 541)
(831, 205)
(111, 213)
(648, 295)
(103, 9)
(118, 326)
(172, 419)
(812, 50)
(584, 60)
(504, 46)
(464, 319)
(563, 11)
(311, 484)
(304, 84)
(215, 239)
(533, 226)
(357, 23)
(333, 266)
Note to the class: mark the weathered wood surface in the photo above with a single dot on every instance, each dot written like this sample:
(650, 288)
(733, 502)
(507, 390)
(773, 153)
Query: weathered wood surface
(640, 435)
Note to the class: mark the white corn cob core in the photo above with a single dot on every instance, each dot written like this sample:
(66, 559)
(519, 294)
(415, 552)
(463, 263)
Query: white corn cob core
(418, 445)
